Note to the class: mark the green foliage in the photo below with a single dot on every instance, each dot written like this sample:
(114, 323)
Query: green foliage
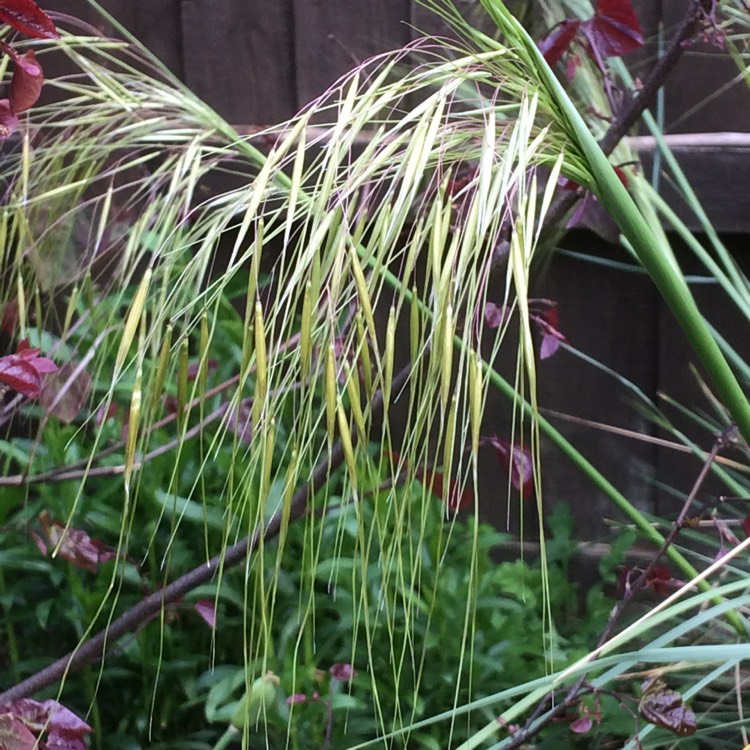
(441, 601)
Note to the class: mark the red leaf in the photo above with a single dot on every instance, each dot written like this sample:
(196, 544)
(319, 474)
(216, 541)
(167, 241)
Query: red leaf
(659, 580)
(725, 533)
(10, 315)
(582, 725)
(545, 316)
(23, 370)
(517, 462)
(26, 84)
(665, 708)
(455, 498)
(74, 545)
(195, 367)
(207, 610)
(13, 734)
(239, 421)
(8, 120)
(434, 481)
(19, 374)
(41, 545)
(620, 172)
(568, 184)
(28, 18)
(746, 525)
(556, 43)
(65, 392)
(104, 413)
(570, 69)
(614, 29)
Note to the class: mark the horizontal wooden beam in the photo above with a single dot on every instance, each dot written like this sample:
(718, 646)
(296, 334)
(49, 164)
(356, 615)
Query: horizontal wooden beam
(716, 165)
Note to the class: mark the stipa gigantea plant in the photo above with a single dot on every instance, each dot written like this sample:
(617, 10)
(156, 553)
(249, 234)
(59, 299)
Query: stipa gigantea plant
(323, 240)
(335, 223)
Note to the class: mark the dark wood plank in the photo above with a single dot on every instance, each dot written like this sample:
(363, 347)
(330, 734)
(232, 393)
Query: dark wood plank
(716, 165)
(677, 381)
(426, 22)
(608, 315)
(692, 100)
(333, 36)
(155, 23)
(239, 57)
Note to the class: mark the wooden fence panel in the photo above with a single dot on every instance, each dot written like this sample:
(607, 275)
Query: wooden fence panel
(331, 36)
(156, 23)
(705, 87)
(678, 382)
(238, 56)
(425, 22)
(609, 316)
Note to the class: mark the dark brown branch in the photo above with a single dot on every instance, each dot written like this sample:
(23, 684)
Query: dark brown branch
(633, 111)
(97, 647)
(688, 28)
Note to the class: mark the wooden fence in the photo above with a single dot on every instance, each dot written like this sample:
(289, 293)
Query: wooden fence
(258, 62)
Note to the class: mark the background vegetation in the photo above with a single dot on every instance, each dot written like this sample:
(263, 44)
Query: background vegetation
(243, 429)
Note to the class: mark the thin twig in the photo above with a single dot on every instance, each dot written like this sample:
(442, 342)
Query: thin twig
(536, 722)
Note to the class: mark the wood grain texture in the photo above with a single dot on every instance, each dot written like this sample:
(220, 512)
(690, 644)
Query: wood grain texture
(155, 23)
(257, 62)
(425, 22)
(239, 57)
(332, 36)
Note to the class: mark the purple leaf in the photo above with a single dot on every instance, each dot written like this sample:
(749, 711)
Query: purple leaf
(582, 725)
(665, 708)
(494, 315)
(49, 716)
(65, 392)
(8, 120)
(556, 43)
(13, 734)
(206, 608)
(74, 545)
(342, 671)
(614, 29)
(517, 463)
(549, 346)
(296, 698)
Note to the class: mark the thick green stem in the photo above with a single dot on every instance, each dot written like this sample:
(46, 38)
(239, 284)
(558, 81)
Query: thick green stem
(621, 207)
